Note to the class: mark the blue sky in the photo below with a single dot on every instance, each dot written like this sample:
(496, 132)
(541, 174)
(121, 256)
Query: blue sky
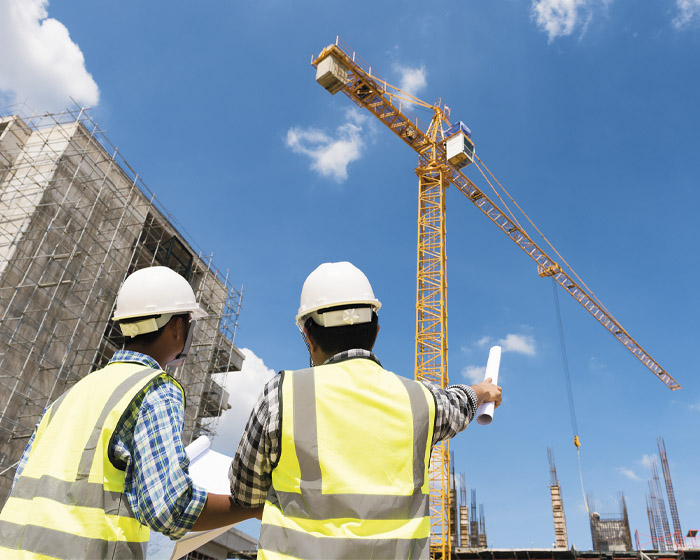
(586, 110)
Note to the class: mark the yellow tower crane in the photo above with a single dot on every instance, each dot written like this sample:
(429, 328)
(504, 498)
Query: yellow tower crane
(441, 155)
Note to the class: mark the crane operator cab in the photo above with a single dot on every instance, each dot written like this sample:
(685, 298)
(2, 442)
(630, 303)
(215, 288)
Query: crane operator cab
(459, 145)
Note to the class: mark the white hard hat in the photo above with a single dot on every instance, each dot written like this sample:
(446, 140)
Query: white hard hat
(157, 290)
(334, 285)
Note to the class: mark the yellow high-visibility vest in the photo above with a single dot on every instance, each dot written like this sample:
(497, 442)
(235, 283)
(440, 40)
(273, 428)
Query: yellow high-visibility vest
(69, 500)
(352, 476)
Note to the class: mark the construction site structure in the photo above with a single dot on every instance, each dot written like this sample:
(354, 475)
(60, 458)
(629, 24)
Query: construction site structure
(473, 523)
(454, 518)
(663, 530)
(561, 540)
(677, 532)
(482, 527)
(477, 525)
(662, 538)
(656, 525)
(610, 530)
(652, 524)
(463, 513)
(75, 220)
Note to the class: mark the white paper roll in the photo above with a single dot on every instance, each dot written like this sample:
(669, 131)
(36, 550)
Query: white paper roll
(484, 415)
(195, 449)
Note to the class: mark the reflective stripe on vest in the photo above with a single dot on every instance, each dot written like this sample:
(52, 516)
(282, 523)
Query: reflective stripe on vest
(352, 478)
(69, 500)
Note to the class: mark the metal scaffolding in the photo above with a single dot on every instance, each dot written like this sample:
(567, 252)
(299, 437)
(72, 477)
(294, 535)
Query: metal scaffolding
(75, 220)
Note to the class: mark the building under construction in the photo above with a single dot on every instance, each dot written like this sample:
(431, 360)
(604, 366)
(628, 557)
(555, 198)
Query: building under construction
(561, 539)
(662, 538)
(75, 220)
(467, 531)
(610, 530)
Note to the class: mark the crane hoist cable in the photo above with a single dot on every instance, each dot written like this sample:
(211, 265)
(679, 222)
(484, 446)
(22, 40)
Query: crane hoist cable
(563, 260)
(569, 392)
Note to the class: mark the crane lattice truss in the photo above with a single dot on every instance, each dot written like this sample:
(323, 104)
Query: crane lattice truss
(344, 71)
(431, 336)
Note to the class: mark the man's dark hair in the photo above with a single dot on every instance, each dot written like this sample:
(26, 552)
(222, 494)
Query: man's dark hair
(149, 337)
(332, 340)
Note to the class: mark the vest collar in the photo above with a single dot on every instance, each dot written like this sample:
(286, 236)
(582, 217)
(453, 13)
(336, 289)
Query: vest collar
(137, 357)
(351, 354)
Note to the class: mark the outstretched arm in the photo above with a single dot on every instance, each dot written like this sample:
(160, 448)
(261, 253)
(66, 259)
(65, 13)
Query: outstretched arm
(221, 510)
(456, 406)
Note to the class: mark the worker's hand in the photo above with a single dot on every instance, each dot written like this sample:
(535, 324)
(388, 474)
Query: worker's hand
(488, 392)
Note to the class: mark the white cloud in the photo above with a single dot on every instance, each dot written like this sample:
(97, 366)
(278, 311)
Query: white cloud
(519, 343)
(688, 10)
(558, 18)
(41, 65)
(412, 80)
(483, 341)
(330, 156)
(629, 473)
(475, 374)
(243, 388)
(594, 364)
(647, 460)
(695, 406)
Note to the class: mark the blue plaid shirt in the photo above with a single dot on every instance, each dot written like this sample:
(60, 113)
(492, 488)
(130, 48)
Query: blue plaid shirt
(149, 442)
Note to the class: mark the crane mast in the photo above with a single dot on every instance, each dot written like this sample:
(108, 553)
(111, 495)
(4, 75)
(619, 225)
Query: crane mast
(340, 69)
(431, 322)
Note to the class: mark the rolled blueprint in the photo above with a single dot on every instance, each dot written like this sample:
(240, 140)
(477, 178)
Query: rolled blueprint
(197, 448)
(484, 414)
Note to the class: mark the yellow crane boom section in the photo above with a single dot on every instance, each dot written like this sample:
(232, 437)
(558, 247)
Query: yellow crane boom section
(369, 91)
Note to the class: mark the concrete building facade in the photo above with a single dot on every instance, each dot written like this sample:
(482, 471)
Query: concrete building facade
(75, 220)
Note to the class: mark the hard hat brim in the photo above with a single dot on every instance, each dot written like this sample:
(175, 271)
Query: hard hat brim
(302, 315)
(197, 313)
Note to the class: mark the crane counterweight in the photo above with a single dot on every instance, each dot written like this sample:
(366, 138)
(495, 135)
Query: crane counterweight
(331, 74)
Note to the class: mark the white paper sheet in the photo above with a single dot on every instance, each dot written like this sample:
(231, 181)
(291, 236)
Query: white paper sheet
(484, 414)
(209, 470)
